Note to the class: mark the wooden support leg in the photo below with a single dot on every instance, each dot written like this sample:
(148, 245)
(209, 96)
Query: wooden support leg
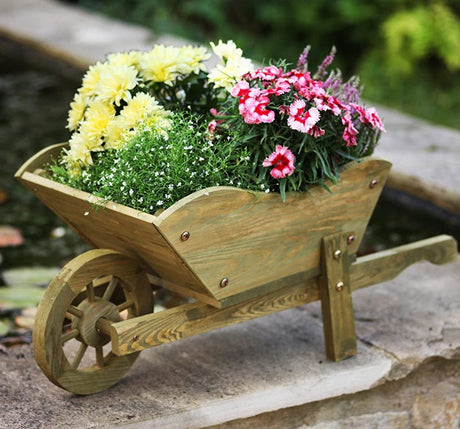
(336, 301)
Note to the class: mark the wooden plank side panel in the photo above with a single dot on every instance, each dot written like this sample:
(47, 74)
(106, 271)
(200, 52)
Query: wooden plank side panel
(254, 238)
(118, 228)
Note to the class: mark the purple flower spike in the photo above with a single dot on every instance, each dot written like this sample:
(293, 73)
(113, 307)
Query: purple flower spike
(302, 63)
(325, 64)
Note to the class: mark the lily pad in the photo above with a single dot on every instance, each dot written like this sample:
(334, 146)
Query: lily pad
(4, 327)
(29, 276)
(20, 297)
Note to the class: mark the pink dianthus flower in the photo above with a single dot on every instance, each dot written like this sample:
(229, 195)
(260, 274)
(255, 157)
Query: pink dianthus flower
(302, 120)
(350, 132)
(282, 161)
(369, 116)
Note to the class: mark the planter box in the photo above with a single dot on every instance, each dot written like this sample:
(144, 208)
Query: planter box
(240, 254)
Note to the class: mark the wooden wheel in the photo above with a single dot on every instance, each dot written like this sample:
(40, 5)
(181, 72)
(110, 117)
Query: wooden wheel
(72, 326)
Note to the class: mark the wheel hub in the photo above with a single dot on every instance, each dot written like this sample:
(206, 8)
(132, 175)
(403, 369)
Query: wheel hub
(92, 312)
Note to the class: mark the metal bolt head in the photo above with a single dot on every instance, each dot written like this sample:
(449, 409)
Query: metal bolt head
(185, 236)
(373, 184)
(350, 239)
(339, 286)
(224, 282)
(337, 254)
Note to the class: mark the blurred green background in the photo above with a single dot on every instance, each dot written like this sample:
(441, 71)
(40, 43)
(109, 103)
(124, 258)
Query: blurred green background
(407, 52)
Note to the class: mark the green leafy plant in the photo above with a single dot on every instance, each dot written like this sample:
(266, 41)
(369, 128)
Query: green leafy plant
(154, 170)
(414, 34)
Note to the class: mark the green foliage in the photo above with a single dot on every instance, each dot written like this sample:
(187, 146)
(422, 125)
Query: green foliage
(415, 34)
(153, 171)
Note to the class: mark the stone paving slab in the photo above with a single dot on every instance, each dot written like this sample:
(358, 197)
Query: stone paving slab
(259, 366)
(425, 158)
(231, 373)
(419, 148)
(76, 35)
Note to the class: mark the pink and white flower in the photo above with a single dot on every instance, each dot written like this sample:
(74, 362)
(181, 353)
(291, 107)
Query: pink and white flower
(350, 132)
(369, 116)
(282, 161)
(265, 73)
(374, 119)
(254, 110)
(301, 119)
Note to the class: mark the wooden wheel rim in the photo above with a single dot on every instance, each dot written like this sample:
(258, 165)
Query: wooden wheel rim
(62, 291)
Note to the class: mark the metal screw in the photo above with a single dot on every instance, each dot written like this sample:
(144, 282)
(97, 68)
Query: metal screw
(224, 282)
(339, 286)
(337, 254)
(350, 239)
(136, 337)
(373, 184)
(185, 236)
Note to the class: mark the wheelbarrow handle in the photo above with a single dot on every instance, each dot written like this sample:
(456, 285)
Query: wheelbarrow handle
(387, 264)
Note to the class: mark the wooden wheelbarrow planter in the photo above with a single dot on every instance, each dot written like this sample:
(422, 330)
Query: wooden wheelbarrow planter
(239, 254)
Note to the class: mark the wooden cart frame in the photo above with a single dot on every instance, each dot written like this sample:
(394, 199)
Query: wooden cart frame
(239, 254)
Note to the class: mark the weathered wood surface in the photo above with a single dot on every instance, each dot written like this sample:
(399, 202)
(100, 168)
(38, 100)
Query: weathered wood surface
(58, 304)
(336, 300)
(194, 318)
(252, 239)
(108, 225)
(386, 265)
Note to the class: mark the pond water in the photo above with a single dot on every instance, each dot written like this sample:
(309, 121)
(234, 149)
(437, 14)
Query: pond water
(33, 115)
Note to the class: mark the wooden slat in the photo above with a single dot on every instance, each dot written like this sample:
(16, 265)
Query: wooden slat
(116, 227)
(194, 318)
(191, 319)
(254, 238)
(336, 300)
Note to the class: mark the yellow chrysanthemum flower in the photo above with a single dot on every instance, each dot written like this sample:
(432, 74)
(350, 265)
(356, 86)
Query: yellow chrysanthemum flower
(76, 112)
(139, 107)
(227, 51)
(114, 134)
(160, 64)
(97, 118)
(159, 124)
(226, 75)
(91, 80)
(116, 82)
(130, 58)
(190, 59)
(80, 151)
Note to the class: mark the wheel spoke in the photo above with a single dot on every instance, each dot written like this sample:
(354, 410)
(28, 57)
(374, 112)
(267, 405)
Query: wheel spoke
(100, 357)
(110, 289)
(90, 292)
(70, 335)
(79, 356)
(74, 311)
(125, 305)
